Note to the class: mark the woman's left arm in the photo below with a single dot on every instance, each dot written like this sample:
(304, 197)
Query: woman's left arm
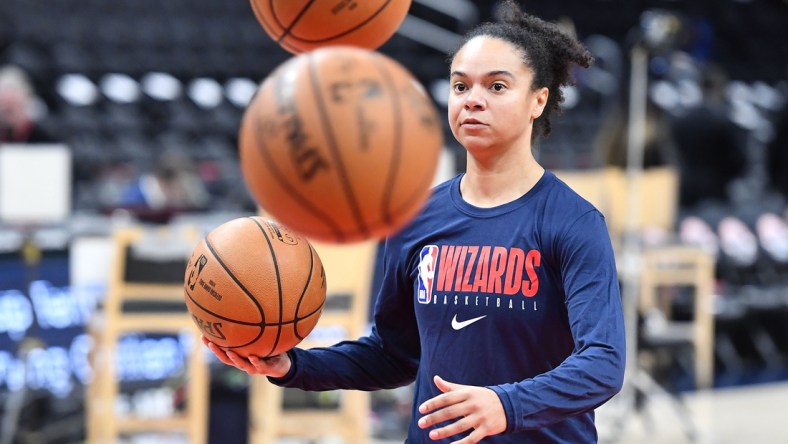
(594, 372)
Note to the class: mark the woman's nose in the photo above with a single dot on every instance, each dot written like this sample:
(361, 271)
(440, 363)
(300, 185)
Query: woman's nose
(474, 99)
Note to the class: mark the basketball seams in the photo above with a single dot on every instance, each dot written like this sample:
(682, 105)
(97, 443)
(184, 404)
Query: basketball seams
(303, 292)
(279, 31)
(297, 197)
(275, 261)
(312, 254)
(328, 130)
(222, 317)
(309, 161)
(355, 28)
(261, 324)
(229, 272)
(286, 29)
(234, 273)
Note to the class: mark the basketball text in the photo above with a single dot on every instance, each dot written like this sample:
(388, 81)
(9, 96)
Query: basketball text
(357, 92)
(209, 288)
(211, 329)
(281, 233)
(343, 4)
(306, 157)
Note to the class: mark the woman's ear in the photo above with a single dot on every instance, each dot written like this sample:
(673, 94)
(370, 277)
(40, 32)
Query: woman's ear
(540, 100)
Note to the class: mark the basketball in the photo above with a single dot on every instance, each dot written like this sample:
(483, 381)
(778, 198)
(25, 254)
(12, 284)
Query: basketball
(303, 25)
(254, 287)
(340, 144)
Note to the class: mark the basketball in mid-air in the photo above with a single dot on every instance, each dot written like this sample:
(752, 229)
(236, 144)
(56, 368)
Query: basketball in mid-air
(303, 25)
(340, 144)
(255, 287)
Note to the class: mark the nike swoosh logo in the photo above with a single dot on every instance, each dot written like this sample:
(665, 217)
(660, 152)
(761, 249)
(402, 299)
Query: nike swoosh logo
(457, 325)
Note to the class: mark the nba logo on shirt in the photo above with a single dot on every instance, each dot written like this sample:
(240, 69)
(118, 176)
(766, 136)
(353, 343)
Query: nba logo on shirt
(427, 260)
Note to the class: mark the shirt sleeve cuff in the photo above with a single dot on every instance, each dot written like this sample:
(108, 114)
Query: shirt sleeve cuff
(508, 407)
(290, 375)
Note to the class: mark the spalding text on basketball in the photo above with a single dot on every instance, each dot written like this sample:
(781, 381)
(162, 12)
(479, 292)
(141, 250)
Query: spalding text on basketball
(212, 329)
(307, 159)
(305, 156)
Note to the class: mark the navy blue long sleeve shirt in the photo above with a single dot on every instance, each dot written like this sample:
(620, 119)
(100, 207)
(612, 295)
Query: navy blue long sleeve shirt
(522, 298)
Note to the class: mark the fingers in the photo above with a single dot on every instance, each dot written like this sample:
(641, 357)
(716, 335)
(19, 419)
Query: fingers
(229, 357)
(462, 408)
(443, 385)
(452, 429)
(276, 366)
(443, 415)
(442, 400)
(444, 407)
(217, 351)
(439, 413)
(473, 438)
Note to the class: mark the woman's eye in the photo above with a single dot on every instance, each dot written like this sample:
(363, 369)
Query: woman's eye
(498, 86)
(459, 87)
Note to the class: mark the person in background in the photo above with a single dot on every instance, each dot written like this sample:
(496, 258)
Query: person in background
(501, 298)
(20, 110)
(659, 150)
(171, 187)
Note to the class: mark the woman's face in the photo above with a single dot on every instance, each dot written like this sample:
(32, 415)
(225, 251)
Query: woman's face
(491, 103)
(12, 107)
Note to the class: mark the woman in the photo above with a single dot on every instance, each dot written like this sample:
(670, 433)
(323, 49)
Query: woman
(501, 298)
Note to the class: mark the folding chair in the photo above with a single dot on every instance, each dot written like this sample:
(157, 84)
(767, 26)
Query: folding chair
(681, 266)
(116, 320)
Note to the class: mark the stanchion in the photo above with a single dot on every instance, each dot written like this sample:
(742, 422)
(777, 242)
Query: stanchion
(638, 384)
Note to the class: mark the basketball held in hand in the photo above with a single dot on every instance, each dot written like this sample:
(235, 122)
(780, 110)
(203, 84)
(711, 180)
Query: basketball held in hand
(304, 25)
(340, 144)
(254, 287)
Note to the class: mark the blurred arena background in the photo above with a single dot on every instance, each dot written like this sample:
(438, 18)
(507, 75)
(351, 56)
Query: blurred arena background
(131, 110)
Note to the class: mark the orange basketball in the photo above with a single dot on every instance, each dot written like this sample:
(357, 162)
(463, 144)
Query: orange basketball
(303, 25)
(340, 144)
(255, 287)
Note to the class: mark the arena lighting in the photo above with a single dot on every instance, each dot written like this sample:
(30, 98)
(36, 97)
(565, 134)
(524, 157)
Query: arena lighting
(205, 92)
(120, 88)
(161, 86)
(77, 89)
(239, 91)
(661, 30)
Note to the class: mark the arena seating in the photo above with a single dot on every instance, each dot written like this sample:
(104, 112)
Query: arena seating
(124, 81)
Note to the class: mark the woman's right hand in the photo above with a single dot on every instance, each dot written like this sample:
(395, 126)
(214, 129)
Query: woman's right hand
(274, 366)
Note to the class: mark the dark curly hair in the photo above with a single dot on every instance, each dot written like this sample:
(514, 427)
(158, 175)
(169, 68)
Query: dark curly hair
(547, 50)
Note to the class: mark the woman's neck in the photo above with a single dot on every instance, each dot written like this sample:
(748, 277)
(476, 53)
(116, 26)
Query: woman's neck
(501, 179)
